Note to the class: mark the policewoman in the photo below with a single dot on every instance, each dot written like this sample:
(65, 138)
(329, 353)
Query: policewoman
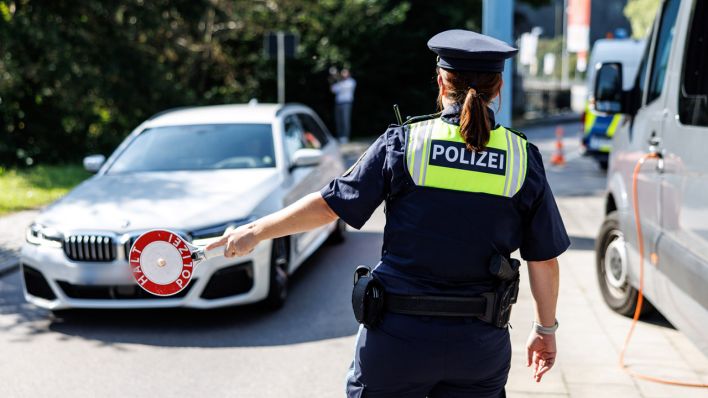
(462, 193)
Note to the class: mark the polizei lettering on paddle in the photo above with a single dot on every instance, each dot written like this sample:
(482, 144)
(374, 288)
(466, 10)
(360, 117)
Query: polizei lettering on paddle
(178, 258)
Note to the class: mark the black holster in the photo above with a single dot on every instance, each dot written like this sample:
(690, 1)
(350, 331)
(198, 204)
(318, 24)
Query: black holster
(367, 297)
(505, 293)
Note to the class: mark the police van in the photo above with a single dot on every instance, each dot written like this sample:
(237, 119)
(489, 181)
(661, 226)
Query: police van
(660, 153)
(598, 128)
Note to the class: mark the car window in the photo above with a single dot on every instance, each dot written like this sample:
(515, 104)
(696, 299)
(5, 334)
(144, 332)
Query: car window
(199, 147)
(662, 49)
(693, 98)
(641, 76)
(293, 135)
(314, 135)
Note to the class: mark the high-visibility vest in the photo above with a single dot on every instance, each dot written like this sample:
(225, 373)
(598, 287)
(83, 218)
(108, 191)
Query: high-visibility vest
(436, 157)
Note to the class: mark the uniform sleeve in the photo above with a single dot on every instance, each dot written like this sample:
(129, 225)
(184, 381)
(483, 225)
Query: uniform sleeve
(355, 195)
(544, 235)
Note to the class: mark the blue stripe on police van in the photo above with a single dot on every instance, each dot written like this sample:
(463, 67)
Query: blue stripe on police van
(602, 123)
(455, 155)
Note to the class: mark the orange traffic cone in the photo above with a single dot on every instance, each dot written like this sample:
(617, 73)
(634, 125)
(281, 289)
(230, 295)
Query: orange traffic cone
(558, 159)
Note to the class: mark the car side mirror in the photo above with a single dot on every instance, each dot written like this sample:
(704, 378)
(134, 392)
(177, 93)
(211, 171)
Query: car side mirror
(608, 88)
(93, 163)
(306, 157)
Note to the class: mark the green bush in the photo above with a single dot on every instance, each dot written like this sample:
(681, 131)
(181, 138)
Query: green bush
(36, 186)
(77, 77)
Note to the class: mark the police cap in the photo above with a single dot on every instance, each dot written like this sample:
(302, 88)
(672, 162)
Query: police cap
(465, 50)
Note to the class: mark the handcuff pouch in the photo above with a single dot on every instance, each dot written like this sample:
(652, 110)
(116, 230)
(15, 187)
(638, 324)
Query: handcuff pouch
(367, 297)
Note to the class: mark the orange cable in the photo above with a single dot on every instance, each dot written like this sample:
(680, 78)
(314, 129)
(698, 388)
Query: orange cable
(640, 297)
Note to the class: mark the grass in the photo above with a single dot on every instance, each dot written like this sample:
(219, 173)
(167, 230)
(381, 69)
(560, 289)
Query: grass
(37, 186)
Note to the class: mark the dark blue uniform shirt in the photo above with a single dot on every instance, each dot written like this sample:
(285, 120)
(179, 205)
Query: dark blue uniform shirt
(439, 242)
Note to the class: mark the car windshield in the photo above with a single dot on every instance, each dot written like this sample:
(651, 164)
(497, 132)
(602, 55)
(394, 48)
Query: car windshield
(198, 147)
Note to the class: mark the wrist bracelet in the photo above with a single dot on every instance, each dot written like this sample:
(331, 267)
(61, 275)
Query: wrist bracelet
(540, 329)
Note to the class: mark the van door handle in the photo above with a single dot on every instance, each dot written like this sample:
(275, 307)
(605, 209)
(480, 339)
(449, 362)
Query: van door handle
(654, 140)
(654, 143)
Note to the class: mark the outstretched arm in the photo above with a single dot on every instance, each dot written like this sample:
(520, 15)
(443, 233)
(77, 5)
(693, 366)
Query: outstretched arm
(541, 348)
(307, 213)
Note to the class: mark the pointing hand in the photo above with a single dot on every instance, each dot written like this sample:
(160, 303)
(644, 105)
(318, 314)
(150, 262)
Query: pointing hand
(238, 242)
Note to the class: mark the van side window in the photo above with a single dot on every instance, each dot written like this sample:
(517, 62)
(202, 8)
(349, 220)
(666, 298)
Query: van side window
(641, 76)
(693, 96)
(662, 49)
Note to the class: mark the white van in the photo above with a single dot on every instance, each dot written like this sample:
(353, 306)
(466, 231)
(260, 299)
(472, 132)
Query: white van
(666, 113)
(599, 128)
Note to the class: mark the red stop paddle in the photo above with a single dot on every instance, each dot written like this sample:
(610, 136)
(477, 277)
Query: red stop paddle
(162, 263)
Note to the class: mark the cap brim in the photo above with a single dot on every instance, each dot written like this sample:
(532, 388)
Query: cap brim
(471, 65)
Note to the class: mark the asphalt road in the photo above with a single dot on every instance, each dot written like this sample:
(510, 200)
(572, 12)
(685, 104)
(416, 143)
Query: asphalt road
(304, 349)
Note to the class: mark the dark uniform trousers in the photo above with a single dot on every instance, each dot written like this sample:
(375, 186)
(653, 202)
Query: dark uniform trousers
(417, 357)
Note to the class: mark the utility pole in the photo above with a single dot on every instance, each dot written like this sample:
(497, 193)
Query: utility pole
(498, 22)
(281, 66)
(280, 45)
(564, 56)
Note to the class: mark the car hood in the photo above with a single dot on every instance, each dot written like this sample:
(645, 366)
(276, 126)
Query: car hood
(178, 199)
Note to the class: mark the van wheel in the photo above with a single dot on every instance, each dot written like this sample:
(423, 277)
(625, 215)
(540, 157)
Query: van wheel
(278, 284)
(612, 269)
(603, 164)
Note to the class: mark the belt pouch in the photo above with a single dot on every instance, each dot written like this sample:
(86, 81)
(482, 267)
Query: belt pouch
(367, 297)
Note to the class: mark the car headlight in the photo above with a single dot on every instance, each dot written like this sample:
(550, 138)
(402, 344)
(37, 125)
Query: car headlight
(38, 234)
(207, 235)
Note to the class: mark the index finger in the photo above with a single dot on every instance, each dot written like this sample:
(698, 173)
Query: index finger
(221, 242)
(543, 370)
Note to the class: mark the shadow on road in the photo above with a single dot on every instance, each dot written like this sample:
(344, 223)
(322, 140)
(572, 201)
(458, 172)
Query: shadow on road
(318, 308)
(657, 319)
(580, 243)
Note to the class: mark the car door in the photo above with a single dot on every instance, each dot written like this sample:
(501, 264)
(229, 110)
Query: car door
(645, 131)
(683, 246)
(302, 180)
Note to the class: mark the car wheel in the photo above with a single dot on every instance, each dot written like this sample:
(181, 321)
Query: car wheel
(67, 314)
(60, 314)
(339, 234)
(278, 285)
(612, 269)
(603, 164)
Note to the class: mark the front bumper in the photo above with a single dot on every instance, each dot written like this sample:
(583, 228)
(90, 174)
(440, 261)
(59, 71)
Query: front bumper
(51, 280)
(597, 144)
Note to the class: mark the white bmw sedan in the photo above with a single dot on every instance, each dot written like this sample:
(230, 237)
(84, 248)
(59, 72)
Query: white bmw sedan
(197, 171)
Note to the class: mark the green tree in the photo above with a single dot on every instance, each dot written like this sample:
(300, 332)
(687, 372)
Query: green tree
(76, 77)
(641, 15)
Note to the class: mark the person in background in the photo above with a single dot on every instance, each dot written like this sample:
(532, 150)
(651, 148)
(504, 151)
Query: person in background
(343, 91)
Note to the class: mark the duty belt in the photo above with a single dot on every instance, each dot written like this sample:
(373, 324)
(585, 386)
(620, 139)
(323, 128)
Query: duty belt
(437, 305)
(370, 300)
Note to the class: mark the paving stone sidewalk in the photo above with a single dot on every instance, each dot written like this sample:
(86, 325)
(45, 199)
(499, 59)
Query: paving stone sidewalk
(12, 235)
(591, 335)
